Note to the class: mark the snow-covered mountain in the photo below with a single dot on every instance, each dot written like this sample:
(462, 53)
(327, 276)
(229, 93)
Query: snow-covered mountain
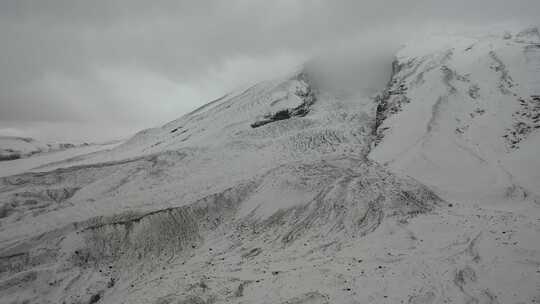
(24, 154)
(462, 115)
(12, 147)
(287, 192)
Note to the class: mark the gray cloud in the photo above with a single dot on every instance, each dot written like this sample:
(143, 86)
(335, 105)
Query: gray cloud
(128, 64)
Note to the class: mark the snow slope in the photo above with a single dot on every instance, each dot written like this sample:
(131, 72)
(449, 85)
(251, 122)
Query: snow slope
(462, 117)
(289, 193)
(12, 147)
(36, 161)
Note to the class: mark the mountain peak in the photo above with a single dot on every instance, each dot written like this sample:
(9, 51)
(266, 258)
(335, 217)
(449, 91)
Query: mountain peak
(412, 176)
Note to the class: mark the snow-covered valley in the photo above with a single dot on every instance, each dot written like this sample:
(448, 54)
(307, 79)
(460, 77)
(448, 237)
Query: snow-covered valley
(285, 192)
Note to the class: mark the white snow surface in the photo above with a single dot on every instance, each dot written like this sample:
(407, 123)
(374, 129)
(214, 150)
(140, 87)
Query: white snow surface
(532, 53)
(47, 159)
(426, 193)
(19, 147)
(464, 99)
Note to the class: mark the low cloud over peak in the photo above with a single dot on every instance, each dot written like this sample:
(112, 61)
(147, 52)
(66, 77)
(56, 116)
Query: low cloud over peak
(113, 67)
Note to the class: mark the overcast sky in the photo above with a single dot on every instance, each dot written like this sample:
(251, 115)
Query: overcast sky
(97, 70)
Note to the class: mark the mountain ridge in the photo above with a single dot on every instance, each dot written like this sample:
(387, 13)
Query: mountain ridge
(287, 192)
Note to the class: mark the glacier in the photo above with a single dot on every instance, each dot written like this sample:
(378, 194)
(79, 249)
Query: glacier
(425, 191)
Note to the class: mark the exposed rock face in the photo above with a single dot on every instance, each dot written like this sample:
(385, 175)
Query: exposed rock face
(391, 100)
(307, 204)
(307, 96)
(526, 121)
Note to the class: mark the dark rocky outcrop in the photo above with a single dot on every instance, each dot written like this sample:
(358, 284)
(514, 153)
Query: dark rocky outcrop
(309, 98)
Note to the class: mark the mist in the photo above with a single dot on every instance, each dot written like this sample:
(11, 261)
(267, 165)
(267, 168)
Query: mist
(99, 70)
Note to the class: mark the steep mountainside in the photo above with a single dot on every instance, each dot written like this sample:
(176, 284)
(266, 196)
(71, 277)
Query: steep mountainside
(288, 193)
(464, 117)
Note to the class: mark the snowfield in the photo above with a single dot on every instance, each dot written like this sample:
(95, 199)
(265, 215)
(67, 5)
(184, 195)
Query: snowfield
(36, 161)
(12, 147)
(285, 192)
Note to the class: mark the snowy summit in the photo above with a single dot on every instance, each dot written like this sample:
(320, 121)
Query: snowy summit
(421, 187)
